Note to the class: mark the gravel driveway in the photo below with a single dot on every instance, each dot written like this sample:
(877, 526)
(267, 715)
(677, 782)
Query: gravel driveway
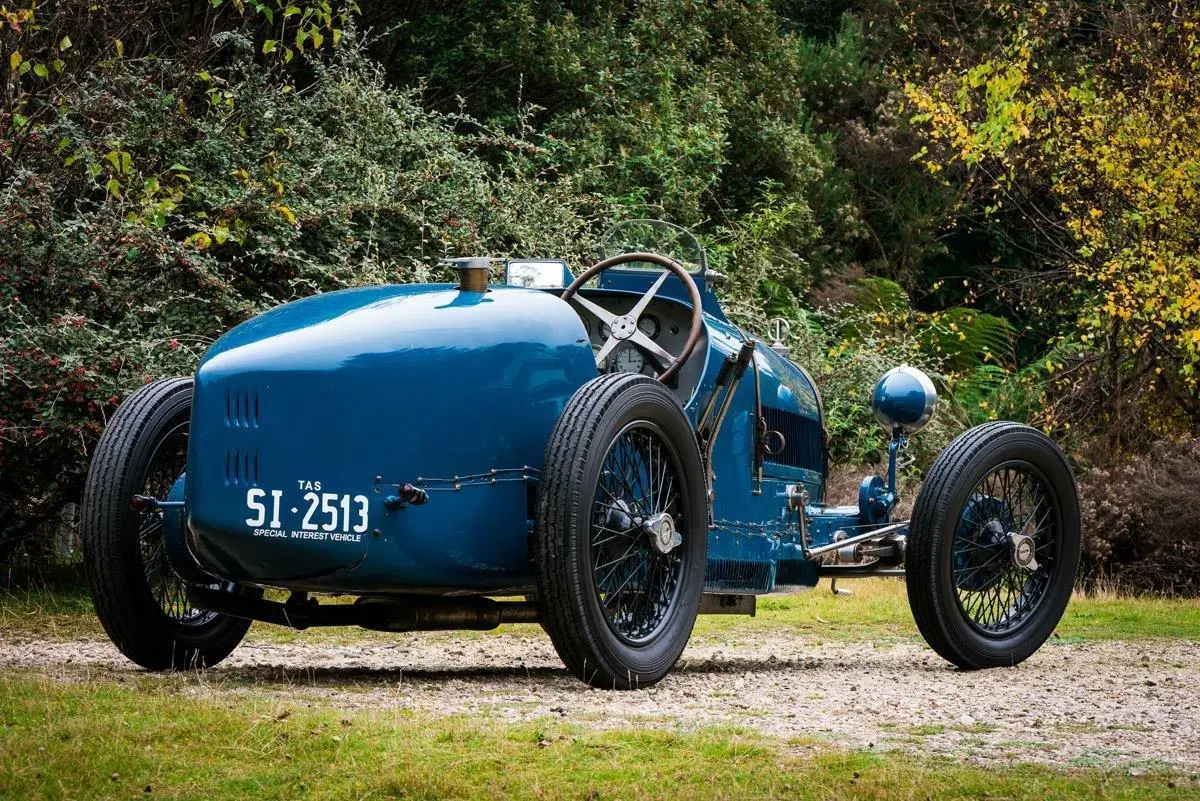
(1086, 704)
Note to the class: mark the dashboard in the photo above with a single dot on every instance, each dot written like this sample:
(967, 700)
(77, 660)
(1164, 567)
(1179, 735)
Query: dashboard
(667, 322)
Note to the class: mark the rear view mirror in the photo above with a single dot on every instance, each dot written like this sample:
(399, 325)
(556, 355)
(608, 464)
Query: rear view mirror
(538, 273)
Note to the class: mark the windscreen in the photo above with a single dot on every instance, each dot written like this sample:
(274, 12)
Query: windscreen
(653, 236)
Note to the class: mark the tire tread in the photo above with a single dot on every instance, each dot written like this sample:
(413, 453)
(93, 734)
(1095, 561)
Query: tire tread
(113, 578)
(930, 609)
(560, 588)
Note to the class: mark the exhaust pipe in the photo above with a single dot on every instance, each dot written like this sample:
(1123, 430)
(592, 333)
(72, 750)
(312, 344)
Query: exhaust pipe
(379, 613)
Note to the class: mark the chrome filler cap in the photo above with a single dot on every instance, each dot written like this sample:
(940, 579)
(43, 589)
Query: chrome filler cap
(472, 272)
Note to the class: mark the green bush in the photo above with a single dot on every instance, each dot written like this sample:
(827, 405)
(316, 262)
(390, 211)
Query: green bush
(168, 170)
(161, 205)
(694, 112)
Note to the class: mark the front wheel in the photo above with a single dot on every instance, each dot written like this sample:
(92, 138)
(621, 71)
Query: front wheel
(141, 602)
(993, 546)
(621, 533)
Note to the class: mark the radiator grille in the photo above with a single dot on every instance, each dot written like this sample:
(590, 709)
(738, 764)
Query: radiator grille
(804, 440)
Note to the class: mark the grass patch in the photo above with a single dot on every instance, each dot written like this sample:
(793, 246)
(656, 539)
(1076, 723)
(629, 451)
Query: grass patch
(88, 740)
(878, 611)
(1079, 727)
(1107, 616)
(58, 614)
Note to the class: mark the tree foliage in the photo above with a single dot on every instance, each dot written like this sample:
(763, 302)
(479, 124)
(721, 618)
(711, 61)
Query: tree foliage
(150, 204)
(1001, 192)
(1095, 146)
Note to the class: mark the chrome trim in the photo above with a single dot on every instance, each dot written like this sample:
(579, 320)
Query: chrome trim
(809, 553)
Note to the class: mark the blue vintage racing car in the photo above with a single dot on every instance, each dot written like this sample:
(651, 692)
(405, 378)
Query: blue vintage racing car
(605, 454)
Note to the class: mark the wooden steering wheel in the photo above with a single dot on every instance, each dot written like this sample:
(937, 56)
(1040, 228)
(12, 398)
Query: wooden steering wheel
(624, 327)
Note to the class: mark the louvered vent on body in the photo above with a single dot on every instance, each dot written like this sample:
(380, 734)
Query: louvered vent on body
(241, 466)
(242, 409)
(736, 575)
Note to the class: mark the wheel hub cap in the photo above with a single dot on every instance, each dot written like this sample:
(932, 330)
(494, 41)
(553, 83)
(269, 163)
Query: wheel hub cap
(661, 530)
(1023, 551)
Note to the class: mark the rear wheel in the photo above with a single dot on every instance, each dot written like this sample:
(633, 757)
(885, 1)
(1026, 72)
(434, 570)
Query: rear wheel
(141, 602)
(621, 532)
(993, 546)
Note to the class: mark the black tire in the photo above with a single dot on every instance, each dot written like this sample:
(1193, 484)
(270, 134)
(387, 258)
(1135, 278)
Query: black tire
(973, 601)
(140, 601)
(634, 635)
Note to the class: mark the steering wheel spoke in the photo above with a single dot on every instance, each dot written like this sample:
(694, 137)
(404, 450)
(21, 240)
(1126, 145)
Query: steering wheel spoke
(597, 311)
(606, 350)
(624, 327)
(644, 300)
(665, 359)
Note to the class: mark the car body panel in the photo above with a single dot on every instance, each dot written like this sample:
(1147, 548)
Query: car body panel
(320, 397)
(309, 418)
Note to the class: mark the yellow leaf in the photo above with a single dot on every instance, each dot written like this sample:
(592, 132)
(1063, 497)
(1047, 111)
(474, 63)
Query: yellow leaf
(64, 44)
(14, 61)
(120, 46)
(199, 240)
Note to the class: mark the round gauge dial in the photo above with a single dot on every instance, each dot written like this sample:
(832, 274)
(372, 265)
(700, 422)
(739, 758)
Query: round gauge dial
(649, 325)
(628, 360)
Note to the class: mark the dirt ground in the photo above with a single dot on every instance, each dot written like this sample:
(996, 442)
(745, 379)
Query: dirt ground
(1132, 705)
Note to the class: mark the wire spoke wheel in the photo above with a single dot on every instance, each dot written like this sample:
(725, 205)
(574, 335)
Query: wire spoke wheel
(636, 576)
(995, 591)
(170, 592)
(620, 534)
(993, 546)
(141, 602)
